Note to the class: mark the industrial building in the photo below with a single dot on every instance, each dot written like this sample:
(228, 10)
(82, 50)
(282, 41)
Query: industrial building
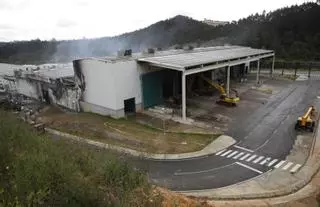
(49, 83)
(130, 83)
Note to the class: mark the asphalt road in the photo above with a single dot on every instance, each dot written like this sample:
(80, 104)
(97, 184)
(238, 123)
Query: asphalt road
(268, 132)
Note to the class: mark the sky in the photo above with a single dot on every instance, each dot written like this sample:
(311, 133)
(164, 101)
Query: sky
(74, 19)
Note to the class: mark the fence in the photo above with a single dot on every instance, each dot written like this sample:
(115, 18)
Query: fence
(295, 68)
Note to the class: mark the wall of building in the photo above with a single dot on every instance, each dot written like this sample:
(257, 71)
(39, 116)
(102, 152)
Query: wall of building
(27, 88)
(69, 98)
(106, 85)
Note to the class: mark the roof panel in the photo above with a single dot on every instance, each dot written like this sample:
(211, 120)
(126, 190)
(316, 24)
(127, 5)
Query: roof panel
(194, 58)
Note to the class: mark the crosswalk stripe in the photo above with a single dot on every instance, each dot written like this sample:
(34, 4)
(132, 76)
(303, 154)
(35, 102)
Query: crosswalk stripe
(218, 153)
(272, 162)
(279, 164)
(227, 152)
(251, 158)
(232, 154)
(244, 157)
(257, 160)
(265, 161)
(238, 155)
(287, 166)
(295, 168)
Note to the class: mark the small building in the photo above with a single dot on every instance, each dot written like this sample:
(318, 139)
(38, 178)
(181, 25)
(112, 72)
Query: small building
(118, 86)
(215, 23)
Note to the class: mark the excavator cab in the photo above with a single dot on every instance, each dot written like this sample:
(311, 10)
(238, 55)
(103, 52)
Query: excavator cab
(306, 122)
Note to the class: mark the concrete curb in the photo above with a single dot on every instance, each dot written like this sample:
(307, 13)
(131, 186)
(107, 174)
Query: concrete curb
(303, 177)
(216, 145)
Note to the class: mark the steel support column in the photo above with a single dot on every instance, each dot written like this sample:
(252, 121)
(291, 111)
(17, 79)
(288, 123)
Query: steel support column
(184, 107)
(272, 67)
(258, 71)
(228, 81)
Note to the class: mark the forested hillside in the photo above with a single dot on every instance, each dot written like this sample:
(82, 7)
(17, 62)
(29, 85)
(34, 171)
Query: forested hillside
(293, 32)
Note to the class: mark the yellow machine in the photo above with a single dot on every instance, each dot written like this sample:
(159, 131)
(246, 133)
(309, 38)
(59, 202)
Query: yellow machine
(306, 121)
(224, 99)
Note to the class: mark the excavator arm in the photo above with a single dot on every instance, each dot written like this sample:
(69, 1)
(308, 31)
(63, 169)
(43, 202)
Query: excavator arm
(215, 85)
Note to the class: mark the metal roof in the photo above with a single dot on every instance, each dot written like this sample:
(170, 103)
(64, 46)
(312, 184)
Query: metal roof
(198, 57)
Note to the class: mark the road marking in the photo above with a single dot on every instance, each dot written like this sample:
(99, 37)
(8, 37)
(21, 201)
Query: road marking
(295, 168)
(232, 154)
(265, 161)
(249, 150)
(202, 171)
(259, 159)
(272, 162)
(238, 155)
(244, 157)
(279, 164)
(266, 142)
(227, 152)
(248, 167)
(251, 158)
(287, 166)
(218, 153)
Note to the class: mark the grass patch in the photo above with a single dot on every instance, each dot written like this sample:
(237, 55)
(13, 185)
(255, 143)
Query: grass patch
(125, 132)
(38, 171)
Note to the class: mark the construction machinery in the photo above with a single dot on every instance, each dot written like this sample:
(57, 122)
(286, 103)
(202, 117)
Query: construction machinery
(224, 98)
(306, 122)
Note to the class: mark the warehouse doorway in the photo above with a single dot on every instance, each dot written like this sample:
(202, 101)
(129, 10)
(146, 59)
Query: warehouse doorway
(130, 106)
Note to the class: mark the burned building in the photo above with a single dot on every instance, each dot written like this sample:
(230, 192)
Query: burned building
(50, 83)
(125, 84)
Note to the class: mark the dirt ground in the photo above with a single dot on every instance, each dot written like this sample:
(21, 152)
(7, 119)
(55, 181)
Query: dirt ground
(123, 132)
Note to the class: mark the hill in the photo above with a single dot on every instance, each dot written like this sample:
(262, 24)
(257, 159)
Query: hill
(293, 32)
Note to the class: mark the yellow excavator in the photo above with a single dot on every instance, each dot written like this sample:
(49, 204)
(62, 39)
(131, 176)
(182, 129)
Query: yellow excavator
(224, 99)
(306, 122)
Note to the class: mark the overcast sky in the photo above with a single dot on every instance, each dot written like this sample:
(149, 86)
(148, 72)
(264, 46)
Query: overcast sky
(71, 19)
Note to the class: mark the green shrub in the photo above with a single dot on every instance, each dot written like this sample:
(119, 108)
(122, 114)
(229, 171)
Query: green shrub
(39, 171)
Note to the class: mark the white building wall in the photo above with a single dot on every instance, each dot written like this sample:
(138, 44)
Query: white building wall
(69, 99)
(99, 83)
(27, 88)
(108, 84)
(127, 83)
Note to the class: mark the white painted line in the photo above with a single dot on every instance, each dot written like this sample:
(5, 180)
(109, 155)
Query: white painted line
(218, 153)
(202, 171)
(227, 152)
(272, 162)
(265, 161)
(259, 159)
(279, 164)
(232, 154)
(248, 167)
(251, 158)
(244, 157)
(249, 150)
(287, 166)
(295, 168)
(238, 155)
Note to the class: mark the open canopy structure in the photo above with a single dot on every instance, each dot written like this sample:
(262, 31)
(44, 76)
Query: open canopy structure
(206, 59)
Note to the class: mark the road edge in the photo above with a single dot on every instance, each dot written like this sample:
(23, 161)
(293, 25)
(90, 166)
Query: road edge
(220, 143)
